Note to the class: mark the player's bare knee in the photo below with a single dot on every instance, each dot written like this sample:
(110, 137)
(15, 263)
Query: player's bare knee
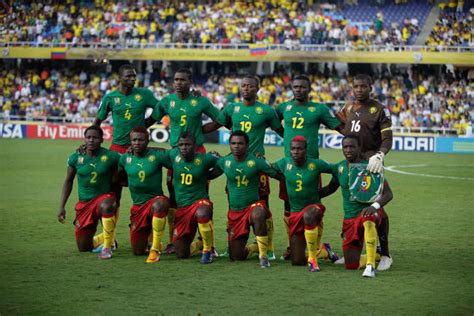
(259, 215)
(160, 206)
(204, 213)
(312, 216)
(108, 207)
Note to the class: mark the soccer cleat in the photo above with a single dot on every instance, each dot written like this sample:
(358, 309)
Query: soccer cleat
(214, 252)
(169, 249)
(385, 263)
(206, 257)
(369, 272)
(313, 265)
(264, 263)
(271, 255)
(225, 254)
(99, 248)
(105, 254)
(340, 261)
(287, 254)
(153, 256)
(332, 255)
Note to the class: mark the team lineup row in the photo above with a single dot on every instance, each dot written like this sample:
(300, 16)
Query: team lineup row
(367, 130)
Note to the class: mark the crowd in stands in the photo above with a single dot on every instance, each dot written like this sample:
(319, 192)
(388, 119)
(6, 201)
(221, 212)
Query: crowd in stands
(138, 23)
(414, 98)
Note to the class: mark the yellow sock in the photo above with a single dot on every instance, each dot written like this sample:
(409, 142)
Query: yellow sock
(322, 253)
(171, 214)
(158, 224)
(370, 237)
(363, 260)
(312, 245)
(117, 213)
(98, 240)
(108, 225)
(205, 229)
(262, 242)
(270, 229)
(212, 233)
(195, 247)
(252, 249)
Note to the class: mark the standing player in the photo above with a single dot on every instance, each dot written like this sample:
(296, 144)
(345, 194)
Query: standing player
(94, 170)
(185, 111)
(150, 207)
(302, 176)
(360, 218)
(246, 209)
(194, 209)
(303, 118)
(370, 120)
(253, 118)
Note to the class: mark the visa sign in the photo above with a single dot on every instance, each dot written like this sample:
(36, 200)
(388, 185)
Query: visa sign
(8, 130)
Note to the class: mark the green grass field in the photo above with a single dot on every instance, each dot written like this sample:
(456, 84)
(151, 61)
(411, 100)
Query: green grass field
(431, 238)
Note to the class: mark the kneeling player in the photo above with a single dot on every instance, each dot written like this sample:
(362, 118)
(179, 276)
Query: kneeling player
(194, 209)
(361, 217)
(94, 171)
(306, 217)
(242, 170)
(150, 207)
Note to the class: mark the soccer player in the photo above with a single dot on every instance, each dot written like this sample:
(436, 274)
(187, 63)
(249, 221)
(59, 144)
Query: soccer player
(143, 168)
(302, 176)
(185, 111)
(302, 117)
(253, 118)
(370, 120)
(246, 209)
(94, 170)
(361, 218)
(194, 209)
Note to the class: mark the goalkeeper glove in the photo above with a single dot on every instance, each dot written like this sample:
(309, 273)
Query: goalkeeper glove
(376, 162)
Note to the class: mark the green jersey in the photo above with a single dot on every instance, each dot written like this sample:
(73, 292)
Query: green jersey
(185, 115)
(93, 173)
(352, 208)
(253, 120)
(302, 183)
(304, 120)
(144, 174)
(243, 179)
(190, 178)
(128, 111)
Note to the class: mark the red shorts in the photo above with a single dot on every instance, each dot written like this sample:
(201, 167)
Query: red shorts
(88, 214)
(169, 175)
(238, 222)
(185, 222)
(297, 221)
(283, 195)
(353, 230)
(141, 217)
(121, 149)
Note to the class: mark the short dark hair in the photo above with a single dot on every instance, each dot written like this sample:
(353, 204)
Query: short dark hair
(188, 135)
(141, 130)
(302, 77)
(125, 67)
(185, 71)
(240, 133)
(253, 77)
(352, 136)
(363, 77)
(95, 128)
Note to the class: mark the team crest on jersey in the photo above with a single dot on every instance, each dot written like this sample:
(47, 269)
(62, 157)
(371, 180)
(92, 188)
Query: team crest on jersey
(104, 158)
(138, 97)
(197, 162)
(227, 164)
(372, 110)
(341, 169)
(194, 102)
(250, 163)
(129, 160)
(365, 184)
(80, 160)
(259, 110)
(177, 159)
(311, 166)
(312, 109)
(172, 103)
(288, 107)
(151, 158)
(289, 166)
(117, 100)
(237, 109)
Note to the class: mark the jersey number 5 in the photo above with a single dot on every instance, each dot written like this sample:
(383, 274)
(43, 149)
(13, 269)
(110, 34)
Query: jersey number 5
(127, 115)
(183, 120)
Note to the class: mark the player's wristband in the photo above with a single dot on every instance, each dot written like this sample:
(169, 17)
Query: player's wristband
(376, 205)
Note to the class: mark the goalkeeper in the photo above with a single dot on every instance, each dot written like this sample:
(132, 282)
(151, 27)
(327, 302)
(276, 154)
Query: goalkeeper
(370, 121)
(364, 194)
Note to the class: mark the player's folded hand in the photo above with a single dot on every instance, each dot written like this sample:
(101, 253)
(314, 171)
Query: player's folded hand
(215, 153)
(376, 163)
(196, 93)
(81, 150)
(368, 211)
(62, 216)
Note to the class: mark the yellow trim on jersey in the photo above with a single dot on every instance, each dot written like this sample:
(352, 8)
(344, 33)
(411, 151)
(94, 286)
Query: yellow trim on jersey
(386, 129)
